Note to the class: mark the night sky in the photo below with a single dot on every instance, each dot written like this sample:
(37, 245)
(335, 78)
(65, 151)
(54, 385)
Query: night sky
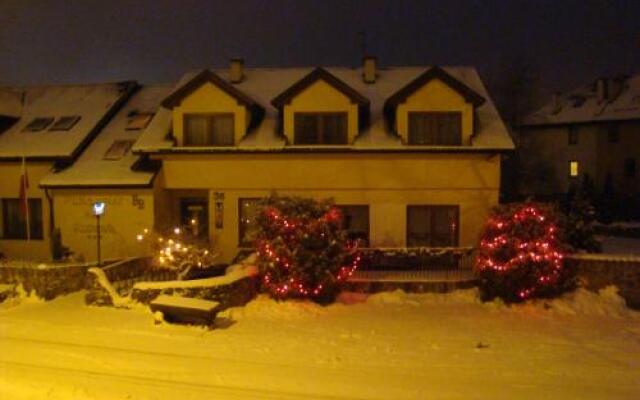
(567, 42)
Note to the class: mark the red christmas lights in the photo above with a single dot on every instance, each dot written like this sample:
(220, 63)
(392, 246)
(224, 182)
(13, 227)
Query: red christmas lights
(520, 253)
(302, 252)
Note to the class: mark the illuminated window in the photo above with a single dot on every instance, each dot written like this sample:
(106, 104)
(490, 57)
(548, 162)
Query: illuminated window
(435, 128)
(137, 121)
(574, 168)
(38, 124)
(118, 149)
(320, 128)
(432, 226)
(573, 135)
(247, 213)
(209, 129)
(65, 123)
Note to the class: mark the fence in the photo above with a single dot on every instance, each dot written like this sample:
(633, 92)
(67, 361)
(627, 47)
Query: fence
(418, 264)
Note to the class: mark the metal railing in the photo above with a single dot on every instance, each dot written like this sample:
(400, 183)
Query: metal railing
(424, 264)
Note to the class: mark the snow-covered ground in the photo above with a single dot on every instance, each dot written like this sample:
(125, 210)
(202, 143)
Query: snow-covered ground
(385, 346)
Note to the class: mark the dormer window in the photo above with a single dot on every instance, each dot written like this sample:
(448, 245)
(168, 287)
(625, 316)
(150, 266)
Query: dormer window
(320, 128)
(216, 129)
(435, 128)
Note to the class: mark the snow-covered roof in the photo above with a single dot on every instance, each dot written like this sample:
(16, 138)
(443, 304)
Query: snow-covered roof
(583, 105)
(265, 84)
(10, 103)
(93, 104)
(92, 169)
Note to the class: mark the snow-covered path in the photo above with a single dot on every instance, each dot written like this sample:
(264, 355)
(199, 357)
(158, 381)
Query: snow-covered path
(391, 346)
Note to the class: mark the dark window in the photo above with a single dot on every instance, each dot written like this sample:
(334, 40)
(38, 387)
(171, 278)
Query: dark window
(14, 222)
(613, 134)
(320, 128)
(209, 129)
(137, 121)
(247, 213)
(432, 226)
(573, 135)
(435, 128)
(356, 222)
(65, 123)
(194, 215)
(38, 124)
(118, 149)
(630, 168)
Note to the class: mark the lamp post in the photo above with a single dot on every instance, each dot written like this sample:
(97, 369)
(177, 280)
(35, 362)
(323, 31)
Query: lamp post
(98, 211)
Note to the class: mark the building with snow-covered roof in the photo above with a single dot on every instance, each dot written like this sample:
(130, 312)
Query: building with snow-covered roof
(48, 127)
(108, 172)
(592, 131)
(411, 154)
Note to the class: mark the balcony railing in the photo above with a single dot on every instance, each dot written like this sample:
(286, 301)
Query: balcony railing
(425, 264)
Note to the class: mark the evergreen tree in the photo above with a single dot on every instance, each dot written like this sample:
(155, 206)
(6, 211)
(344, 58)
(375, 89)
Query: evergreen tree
(302, 249)
(521, 254)
(579, 224)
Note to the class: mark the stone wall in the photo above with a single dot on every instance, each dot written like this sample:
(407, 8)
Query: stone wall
(121, 277)
(47, 281)
(596, 271)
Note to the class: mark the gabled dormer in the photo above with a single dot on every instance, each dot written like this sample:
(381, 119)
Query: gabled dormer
(435, 109)
(209, 111)
(321, 109)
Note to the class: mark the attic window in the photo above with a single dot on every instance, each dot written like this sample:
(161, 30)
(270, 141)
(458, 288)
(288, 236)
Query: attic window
(38, 124)
(138, 121)
(118, 149)
(65, 123)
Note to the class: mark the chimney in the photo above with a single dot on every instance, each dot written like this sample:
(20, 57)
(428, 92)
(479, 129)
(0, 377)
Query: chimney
(369, 69)
(602, 90)
(236, 70)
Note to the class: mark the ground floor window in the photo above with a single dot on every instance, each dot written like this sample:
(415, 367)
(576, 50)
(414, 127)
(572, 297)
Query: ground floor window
(14, 225)
(194, 215)
(356, 222)
(432, 226)
(247, 213)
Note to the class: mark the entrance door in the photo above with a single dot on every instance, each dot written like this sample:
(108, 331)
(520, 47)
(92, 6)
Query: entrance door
(194, 216)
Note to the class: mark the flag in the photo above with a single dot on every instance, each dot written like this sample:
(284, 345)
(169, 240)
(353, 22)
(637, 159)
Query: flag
(24, 196)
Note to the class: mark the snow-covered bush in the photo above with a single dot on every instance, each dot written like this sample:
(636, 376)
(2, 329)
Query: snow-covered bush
(302, 249)
(521, 254)
(178, 251)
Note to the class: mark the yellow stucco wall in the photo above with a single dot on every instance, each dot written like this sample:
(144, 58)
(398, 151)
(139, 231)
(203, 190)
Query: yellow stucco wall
(128, 212)
(386, 182)
(9, 188)
(321, 97)
(435, 96)
(208, 98)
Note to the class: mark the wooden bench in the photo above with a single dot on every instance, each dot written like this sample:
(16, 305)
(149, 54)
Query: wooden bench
(186, 310)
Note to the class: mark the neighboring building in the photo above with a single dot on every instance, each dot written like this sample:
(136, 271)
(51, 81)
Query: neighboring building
(48, 126)
(411, 154)
(593, 130)
(108, 172)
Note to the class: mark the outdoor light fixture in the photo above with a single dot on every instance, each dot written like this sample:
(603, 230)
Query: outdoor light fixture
(99, 208)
